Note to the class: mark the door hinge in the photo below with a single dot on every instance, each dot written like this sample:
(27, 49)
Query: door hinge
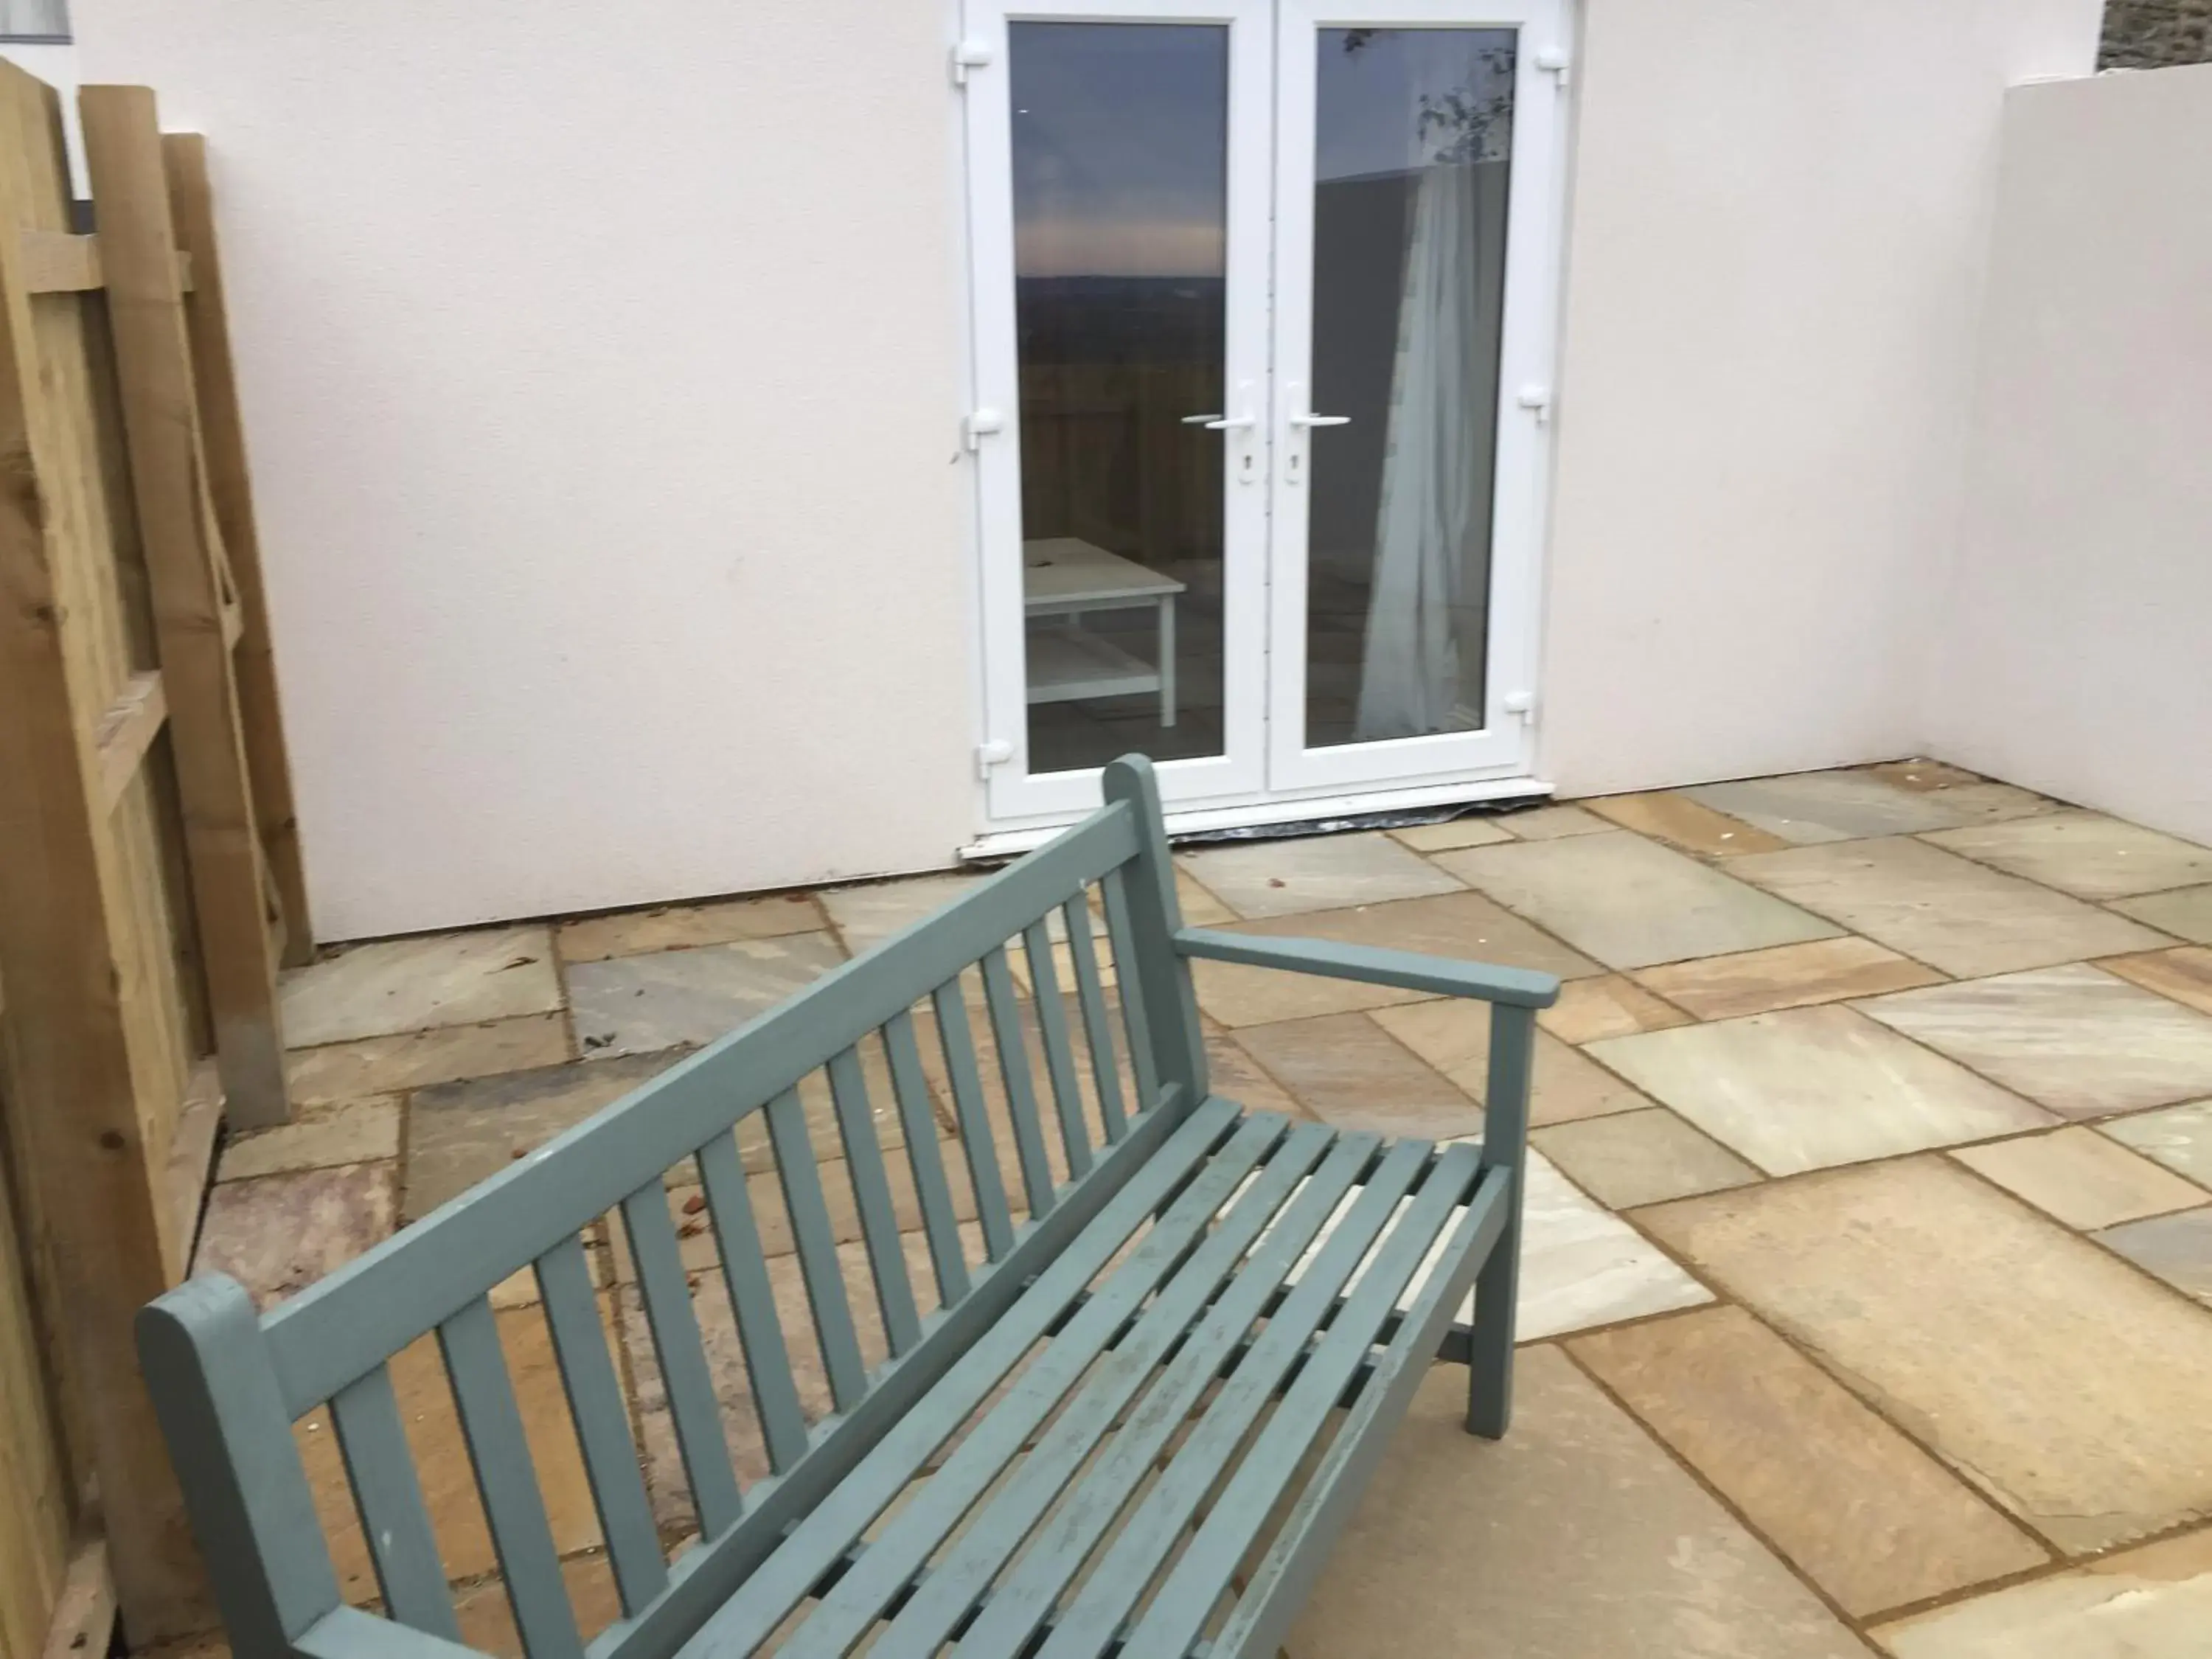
(981, 424)
(1522, 703)
(997, 752)
(969, 55)
(1537, 400)
(1555, 60)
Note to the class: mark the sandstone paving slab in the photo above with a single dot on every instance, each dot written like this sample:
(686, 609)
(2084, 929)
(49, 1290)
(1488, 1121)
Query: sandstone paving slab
(434, 979)
(2052, 1376)
(2154, 1602)
(640, 1004)
(2084, 853)
(1316, 873)
(1232, 1071)
(1948, 911)
(319, 1138)
(414, 1060)
(2177, 1248)
(1462, 925)
(442, 1462)
(1690, 826)
(1787, 976)
(1811, 1087)
(1348, 1071)
(2082, 1178)
(1640, 1158)
(278, 1234)
(866, 916)
(2185, 913)
(1868, 1515)
(1611, 1004)
(1970, 798)
(487, 1621)
(2183, 975)
(679, 926)
(2075, 1039)
(2179, 1137)
(1808, 807)
(1582, 1267)
(1551, 823)
(1631, 903)
(1482, 831)
(1453, 1036)
(1575, 1537)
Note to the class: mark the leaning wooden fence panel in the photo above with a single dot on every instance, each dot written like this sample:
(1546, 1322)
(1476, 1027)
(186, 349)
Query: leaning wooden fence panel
(150, 873)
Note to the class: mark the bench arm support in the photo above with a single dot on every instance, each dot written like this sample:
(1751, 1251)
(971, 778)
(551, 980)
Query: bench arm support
(1408, 971)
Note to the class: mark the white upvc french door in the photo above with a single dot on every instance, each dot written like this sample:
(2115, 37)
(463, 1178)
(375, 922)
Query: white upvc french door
(1262, 351)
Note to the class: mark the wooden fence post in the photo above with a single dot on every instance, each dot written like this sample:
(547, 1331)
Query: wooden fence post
(222, 437)
(198, 611)
(82, 1064)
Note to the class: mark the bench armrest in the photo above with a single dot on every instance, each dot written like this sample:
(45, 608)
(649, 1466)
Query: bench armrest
(1410, 970)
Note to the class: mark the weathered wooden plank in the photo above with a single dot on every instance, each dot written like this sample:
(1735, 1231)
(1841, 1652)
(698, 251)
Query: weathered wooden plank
(941, 1223)
(381, 1466)
(330, 1333)
(145, 307)
(83, 1618)
(753, 1302)
(1058, 1051)
(972, 1118)
(1177, 1614)
(59, 261)
(521, 1537)
(1098, 1032)
(230, 497)
(126, 730)
(871, 1199)
(685, 1377)
(602, 1423)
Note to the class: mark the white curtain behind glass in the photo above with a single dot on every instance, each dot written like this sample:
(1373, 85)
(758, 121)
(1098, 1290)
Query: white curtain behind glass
(34, 19)
(1433, 508)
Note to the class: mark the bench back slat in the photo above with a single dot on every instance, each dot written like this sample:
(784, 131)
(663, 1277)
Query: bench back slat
(1059, 1049)
(815, 1245)
(602, 1433)
(664, 1289)
(499, 1451)
(871, 1197)
(1121, 935)
(365, 1415)
(978, 1144)
(752, 1303)
(1098, 1032)
(940, 1222)
(1019, 1082)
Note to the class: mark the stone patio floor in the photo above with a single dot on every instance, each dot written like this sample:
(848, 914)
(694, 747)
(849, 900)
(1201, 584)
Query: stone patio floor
(1870, 1233)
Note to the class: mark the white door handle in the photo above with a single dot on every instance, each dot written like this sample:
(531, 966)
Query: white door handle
(1218, 422)
(1321, 420)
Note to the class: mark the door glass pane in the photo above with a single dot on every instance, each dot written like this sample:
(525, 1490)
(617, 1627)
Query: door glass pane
(1119, 164)
(1414, 137)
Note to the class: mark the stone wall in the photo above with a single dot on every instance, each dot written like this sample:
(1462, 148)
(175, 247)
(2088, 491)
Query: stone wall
(2150, 34)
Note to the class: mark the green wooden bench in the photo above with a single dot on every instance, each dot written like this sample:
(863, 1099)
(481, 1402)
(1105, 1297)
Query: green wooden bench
(1135, 1425)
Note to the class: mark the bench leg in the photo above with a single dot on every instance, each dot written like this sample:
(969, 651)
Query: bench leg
(1489, 1362)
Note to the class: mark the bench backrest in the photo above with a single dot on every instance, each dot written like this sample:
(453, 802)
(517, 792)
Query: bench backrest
(1082, 1090)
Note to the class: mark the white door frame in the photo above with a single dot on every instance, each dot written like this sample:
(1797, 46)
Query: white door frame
(1013, 795)
(1525, 366)
(1265, 773)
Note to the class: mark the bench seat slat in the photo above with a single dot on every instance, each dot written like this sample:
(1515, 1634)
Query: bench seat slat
(897, 1553)
(1187, 1313)
(491, 1426)
(871, 1197)
(666, 1290)
(1059, 1050)
(1088, 1623)
(974, 1119)
(753, 1609)
(1022, 1602)
(602, 1420)
(1178, 1613)
(1090, 999)
(381, 1470)
(926, 1158)
(753, 1302)
(1022, 1114)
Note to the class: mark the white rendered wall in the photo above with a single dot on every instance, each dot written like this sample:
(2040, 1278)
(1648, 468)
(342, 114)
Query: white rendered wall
(1775, 259)
(2078, 632)
(599, 366)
